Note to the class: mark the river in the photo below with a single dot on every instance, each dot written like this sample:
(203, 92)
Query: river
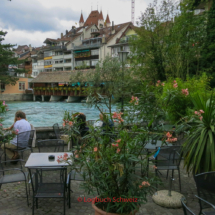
(41, 114)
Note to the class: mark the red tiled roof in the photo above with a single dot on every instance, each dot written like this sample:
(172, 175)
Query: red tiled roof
(101, 16)
(92, 18)
(81, 19)
(107, 19)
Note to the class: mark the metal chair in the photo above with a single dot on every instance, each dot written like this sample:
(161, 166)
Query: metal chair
(187, 210)
(51, 146)
(169, 158)
(24, 142)
(56, 129)
(12, 175)
(205, 183)
(73, 176)
(48, 182)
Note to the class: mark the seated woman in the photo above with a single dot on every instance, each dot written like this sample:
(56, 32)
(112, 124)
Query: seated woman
(83, 129)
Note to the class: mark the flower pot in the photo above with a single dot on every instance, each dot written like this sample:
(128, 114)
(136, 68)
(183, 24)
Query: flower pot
(101, 212)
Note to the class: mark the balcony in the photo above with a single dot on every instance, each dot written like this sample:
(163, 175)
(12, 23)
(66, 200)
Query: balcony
(56, 57)
(69, 64)
(56, 47)
(87, 46)
(67, 56)
(58, 65)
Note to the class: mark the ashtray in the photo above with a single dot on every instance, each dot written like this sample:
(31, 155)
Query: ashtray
(51, 157)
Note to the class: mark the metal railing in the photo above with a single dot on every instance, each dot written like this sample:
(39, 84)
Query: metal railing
(95, 45)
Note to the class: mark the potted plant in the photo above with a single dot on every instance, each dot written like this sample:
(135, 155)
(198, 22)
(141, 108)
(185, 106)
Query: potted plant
(199, 147)
(108, 166)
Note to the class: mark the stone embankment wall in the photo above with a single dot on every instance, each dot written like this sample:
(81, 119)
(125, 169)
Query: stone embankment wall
(16, 97)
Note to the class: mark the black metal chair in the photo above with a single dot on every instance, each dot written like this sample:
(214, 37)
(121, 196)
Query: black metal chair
(73, 176)
(51, 146)
(48, 182)
(205, 183)
(56, 129)
(12, 175)
(169, 158)
(187, 210)
(24, 142)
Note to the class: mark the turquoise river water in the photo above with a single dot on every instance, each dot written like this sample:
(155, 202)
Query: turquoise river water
(41, 114)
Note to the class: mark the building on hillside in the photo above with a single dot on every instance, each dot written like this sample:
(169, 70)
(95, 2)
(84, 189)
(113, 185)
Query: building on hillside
(122, 43)
(98, 45)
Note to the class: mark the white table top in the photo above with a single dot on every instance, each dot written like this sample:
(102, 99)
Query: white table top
(42, 160)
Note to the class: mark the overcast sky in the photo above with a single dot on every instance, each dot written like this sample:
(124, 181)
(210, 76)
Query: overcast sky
(32, 21)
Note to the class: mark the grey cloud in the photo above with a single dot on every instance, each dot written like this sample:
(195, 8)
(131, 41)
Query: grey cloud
(33, 16)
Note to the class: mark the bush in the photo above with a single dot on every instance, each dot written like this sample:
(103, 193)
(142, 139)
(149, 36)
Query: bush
(174, 96)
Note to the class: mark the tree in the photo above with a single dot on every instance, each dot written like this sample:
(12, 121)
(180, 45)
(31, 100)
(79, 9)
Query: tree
(208, 51)
(7, 58)
(168, 41)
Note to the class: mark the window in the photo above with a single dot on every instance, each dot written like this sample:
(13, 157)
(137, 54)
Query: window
(21, 85)
(79, 63)
(95, 52)
(35, 73)
(2, 87)
(94, 62)
(87, 62)
(48, 54)
(48, 62)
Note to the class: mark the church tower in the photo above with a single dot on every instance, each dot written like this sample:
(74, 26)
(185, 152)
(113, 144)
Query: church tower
(107, 21)
(81, 21)
(101, 21)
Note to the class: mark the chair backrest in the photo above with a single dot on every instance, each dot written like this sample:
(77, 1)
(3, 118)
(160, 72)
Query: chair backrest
(24, 139)
(205, 183)
(54, 145)
(170, 153)
(56, 129)
(48, 181)
(186, 210)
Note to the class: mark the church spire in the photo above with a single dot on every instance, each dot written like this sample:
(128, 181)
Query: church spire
(81, 21)
(107, 21)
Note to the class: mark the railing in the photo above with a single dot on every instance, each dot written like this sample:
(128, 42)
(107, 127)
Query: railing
(95, 45)
(56, 48)
(59, 93)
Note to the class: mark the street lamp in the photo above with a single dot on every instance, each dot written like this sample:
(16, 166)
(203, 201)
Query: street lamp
(123, 57)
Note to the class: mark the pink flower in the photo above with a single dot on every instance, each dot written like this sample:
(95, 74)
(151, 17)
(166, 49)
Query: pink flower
(17, 130)
(65, 155)
(175, 85)
(115, 145)
(70, 123)
(136, 103)
(7, 109)
(168, 134)
(65, 158)
(118, 141)
(145, 183)
(140, 186)
(158, 81)
(185, 92)
(201, 111)
(154, 167)
(76, 156)
(64, 124)
(196, 112)
(95, 149)
(174, 81)
(0, 124)
(119, 121)
(163, 84)
(157, 85)
(58, 160)
(118, 150)
(201, 118)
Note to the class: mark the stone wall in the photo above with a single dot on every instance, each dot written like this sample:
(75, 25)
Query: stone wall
(16, 97)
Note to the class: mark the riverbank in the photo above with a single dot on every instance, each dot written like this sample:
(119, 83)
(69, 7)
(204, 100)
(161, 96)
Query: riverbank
(16, 97)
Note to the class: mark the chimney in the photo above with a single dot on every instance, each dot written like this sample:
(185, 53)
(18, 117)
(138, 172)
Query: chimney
(113, 30)
(30, 48)
(66, 32)
(103, 39)
(61, 35)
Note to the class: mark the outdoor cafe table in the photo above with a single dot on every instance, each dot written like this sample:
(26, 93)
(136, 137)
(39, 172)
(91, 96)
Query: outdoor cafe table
(152, 146)
(42, 160)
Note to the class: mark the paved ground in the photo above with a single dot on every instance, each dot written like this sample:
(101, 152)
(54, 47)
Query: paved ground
(13, 200)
